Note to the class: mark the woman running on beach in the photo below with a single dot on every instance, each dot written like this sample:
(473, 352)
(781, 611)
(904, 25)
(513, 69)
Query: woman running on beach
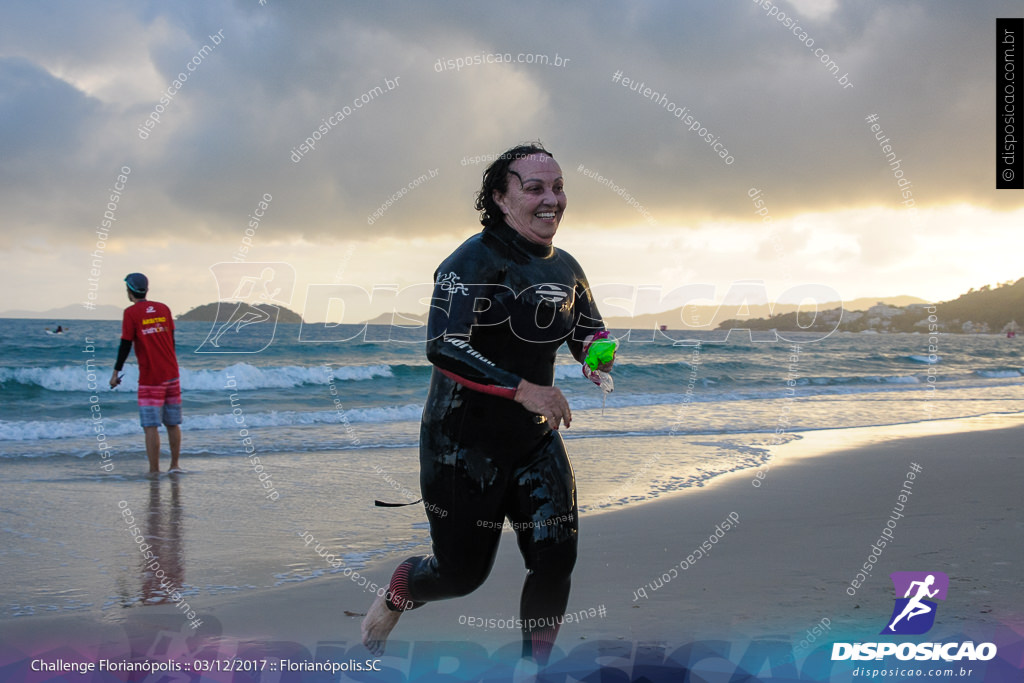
(503, 304)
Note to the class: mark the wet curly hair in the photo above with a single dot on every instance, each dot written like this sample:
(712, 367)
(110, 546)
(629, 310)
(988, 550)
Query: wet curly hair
(496, 178)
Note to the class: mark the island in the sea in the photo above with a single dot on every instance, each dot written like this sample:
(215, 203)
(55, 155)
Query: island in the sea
(208, 312)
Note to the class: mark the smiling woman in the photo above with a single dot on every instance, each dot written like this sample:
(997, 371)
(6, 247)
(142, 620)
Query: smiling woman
(534, 208)
(503, 304)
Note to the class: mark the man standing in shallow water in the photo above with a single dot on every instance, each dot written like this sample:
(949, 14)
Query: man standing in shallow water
(150, 325)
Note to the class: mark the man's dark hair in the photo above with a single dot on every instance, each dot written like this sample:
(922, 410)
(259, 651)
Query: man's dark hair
(496, 178)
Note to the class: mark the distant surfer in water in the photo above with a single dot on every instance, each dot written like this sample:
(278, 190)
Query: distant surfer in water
(150, 325)
(503, 304)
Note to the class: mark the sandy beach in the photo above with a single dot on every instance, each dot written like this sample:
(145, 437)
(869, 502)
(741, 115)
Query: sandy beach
(350, 230)
(787, 544)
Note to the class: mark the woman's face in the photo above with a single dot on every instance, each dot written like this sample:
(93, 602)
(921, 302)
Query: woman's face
(534, 202)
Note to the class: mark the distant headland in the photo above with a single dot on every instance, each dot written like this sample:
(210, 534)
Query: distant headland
(207, 313)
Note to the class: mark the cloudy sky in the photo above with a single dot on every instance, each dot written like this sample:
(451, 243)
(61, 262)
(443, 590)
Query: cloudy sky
(79, 80)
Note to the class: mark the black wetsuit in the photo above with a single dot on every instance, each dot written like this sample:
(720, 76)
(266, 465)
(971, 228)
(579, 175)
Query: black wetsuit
(501, 308)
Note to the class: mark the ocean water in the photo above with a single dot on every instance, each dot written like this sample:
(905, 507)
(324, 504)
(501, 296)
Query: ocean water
(335, 425)
(304, 397)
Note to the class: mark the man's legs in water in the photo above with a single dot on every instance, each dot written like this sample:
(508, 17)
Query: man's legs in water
(153, 448)
(174, 441)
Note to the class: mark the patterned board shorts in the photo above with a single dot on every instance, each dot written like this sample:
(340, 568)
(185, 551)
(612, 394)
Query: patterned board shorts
(160, 403)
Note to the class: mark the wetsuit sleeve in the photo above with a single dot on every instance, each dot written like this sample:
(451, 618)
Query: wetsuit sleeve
(122, 354)
(588, 319)
(127, 335)
(463, 286)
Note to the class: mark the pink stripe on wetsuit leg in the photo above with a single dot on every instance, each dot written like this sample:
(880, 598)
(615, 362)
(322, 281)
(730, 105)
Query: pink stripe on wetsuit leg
(542, 641)
(398, 599)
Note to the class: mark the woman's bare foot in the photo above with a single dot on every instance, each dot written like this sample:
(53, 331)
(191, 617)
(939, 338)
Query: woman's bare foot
(377, 626)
